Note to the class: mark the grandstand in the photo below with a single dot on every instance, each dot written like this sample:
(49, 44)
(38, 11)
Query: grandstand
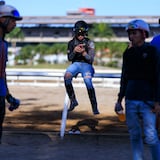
(52, 29)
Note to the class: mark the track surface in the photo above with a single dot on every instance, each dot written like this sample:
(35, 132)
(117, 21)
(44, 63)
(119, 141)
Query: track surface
(32, 131)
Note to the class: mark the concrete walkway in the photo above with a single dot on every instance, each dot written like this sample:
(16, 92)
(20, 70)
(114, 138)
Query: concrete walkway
(49, 146)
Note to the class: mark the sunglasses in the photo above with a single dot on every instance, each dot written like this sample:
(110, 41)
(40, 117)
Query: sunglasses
(81, 34)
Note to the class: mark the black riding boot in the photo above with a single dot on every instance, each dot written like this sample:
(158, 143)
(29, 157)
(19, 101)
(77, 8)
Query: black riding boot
(92, 97)
(72, 97)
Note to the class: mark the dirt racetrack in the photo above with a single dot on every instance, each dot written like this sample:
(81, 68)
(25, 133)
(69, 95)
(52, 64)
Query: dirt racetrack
(32, 131)
(41, 110)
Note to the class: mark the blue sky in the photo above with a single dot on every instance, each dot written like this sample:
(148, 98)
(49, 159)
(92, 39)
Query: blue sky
(102, 7)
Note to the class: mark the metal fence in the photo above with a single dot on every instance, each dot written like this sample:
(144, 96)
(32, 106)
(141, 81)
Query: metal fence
(34, 77)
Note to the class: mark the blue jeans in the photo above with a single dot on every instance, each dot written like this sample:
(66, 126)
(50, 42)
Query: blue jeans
(86, 70)
(140, 118)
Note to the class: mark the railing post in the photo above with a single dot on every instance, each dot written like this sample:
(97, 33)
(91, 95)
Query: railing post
(64, 116)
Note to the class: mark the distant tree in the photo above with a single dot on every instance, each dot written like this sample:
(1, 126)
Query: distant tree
(58, 48)
(111, 50)
(26, 55)
(14, 36)
(42, 49)
(117, 49)
(101, 30)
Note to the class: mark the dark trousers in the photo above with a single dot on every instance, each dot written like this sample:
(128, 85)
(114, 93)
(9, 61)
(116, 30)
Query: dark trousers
(2, 114)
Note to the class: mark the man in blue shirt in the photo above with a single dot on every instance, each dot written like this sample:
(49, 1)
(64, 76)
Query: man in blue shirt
(156, 42)
(8, 17)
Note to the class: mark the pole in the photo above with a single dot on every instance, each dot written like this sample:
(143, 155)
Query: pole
(64, 116)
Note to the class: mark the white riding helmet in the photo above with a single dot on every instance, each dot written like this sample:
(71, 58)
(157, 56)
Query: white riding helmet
(138, 24)
(9, 11)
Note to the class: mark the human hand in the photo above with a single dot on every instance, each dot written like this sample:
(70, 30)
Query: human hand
(14, 102)
(118, 107)
(119, 111)
(79, 48)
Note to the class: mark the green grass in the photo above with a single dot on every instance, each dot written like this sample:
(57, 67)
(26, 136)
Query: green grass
(51, 66)
(41, 66)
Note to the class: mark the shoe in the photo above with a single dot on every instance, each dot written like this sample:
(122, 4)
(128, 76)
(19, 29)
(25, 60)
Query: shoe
(74, 131)
(73, 104)
(96, 112)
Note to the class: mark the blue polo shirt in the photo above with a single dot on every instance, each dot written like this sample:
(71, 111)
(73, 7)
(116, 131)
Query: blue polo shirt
(3, 89)
(156, 42)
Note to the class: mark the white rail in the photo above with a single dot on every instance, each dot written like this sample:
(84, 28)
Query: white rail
(34, 77)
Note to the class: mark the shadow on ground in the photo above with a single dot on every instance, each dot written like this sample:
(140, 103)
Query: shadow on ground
(43, 120)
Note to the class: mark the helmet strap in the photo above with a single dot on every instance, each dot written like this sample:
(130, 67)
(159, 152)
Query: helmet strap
(5, 24)
(144, 34)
